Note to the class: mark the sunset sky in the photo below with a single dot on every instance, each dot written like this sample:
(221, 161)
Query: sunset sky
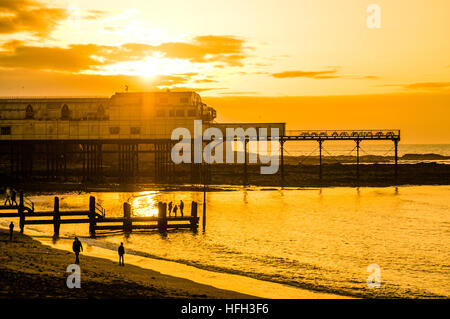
(261, 55)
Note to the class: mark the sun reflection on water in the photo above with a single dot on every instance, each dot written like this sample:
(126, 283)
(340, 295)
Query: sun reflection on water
(145, 203)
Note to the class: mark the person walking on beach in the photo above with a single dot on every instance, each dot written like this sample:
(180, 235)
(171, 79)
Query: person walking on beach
(181, 207)
(77, 247)
(170, 208)
(175, 208)
(11, 230)
(121, 251)
(8, 196)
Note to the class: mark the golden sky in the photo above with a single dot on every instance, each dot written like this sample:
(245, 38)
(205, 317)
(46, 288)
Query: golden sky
(321, 48)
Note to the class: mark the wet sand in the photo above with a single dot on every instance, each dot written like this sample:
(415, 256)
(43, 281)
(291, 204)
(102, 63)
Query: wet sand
(29, 269)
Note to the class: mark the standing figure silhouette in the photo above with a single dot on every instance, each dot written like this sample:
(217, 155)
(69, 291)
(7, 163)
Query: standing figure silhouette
(181, 207)
(77, 247)
(121, 251)
(170, 208)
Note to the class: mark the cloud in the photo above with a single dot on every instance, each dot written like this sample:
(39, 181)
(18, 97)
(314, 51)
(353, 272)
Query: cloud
(326, 74)
(38, 82)
(227, 49)
(29, 16)
(79, 57)
(427, 86)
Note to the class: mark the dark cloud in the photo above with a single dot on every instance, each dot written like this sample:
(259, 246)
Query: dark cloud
(78, 57)
(29, 16)
(326, 74)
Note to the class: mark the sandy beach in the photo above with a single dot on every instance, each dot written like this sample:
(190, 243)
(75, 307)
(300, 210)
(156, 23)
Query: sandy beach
(29, 269)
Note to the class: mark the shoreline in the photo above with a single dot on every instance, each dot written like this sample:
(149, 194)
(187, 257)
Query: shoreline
(30, 269)
(105, 279)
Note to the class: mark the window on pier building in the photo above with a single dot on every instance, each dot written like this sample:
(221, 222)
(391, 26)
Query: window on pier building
(180, 113)
(184, 100)
(171, 113)
(114, 130)
(192, 112)
(100, 112)
(160, 113)
(5, 130)
(65, 112)
(135, 130)
(29, 112)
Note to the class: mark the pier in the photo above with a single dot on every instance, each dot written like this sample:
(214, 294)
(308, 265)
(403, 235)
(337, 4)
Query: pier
(95, 216)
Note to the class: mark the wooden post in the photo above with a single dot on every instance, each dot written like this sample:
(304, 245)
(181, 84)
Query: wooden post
(194, 218)
(56, 218)
(92, 220)
(21, 213)
(127, 223)
(162, 216)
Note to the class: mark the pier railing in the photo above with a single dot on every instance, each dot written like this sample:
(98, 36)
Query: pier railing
(342, 134)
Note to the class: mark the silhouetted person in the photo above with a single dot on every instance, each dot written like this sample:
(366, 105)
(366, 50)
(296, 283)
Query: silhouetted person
(77, 247)
(181, 207)
(13, 197)
(175, 208)
(8, 196)
(11, 230)
(121, 251)
(170, 208)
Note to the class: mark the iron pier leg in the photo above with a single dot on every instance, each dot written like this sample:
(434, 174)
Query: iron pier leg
(245, 162)
(396, 159)
(357, 159)
(320, 160)
(282, 160)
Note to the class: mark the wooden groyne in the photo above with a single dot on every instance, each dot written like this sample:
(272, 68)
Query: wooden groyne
(95, 216)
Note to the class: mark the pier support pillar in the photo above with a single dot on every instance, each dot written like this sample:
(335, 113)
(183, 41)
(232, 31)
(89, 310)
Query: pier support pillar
(357, 158)
(162, 217)
(127, 223)
(245, 163)
(21, 213)
(92, 219)
(194, 219)
(320, 160)
(56, 217)
(282, 160)
(396, 158)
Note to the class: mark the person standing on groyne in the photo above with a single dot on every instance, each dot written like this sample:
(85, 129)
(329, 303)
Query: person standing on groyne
(175, 208)
(13, 197)
(77, 247)
(8, 196)
(181, 207)
(121, 252)
(170, 208)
